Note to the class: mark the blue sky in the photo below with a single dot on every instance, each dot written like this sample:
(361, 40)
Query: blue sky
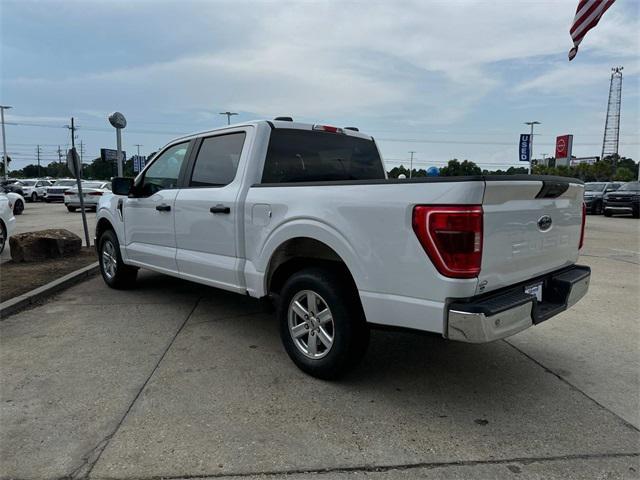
(443, 78)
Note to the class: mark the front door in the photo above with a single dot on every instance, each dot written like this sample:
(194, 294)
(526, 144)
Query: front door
(207, 213)
(149, 224)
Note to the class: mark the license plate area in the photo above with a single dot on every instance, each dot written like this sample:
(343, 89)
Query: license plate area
(534, 289)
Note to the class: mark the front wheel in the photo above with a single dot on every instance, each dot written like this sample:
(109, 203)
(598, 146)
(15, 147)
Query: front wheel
(18, 208)
(597, 208)
(608, 213)
(114, 271)
(322, 325)
(34, 197)
(71, 209)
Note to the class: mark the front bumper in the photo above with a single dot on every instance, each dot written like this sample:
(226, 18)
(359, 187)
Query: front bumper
(504, 313)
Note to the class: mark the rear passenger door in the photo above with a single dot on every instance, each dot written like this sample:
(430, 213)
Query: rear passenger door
(207, 211)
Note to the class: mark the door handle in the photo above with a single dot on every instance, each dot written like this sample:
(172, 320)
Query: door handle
(163, 208)
(220, 209)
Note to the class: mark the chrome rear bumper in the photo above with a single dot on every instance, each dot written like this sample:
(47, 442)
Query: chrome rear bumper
(499, 315)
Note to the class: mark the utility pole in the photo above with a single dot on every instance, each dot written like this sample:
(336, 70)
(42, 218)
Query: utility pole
(79, 182)
(531, 142)
(38, 155)
(411, 164)
(4, 142)
(59, 154)
(228, 114)
(138, 145)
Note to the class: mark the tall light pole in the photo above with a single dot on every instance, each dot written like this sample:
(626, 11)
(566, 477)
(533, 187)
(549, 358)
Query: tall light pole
(531, 142)
(228, 114)
(411, 164)
(4, 141)
(118, 122)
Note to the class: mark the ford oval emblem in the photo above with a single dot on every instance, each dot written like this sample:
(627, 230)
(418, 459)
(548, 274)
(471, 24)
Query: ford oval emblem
(544, 223)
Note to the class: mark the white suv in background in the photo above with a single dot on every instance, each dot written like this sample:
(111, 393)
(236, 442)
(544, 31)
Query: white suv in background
(34, 189)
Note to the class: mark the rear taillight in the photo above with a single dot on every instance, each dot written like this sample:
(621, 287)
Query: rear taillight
(452, 237)
(584, 223)
(68, 193)
(94, 193)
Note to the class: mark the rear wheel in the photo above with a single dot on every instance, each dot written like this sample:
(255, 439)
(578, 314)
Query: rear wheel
(70, 208)
(322, 325)
(114, 271)
(608, 213)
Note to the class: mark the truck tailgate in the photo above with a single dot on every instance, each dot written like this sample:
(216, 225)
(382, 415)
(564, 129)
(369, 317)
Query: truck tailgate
(531, 227)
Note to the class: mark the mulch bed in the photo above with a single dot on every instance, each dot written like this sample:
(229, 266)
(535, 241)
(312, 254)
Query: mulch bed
(19, 278)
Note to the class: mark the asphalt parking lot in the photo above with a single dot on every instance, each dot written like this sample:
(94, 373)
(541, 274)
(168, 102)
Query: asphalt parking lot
(41, 215)
(177, 380)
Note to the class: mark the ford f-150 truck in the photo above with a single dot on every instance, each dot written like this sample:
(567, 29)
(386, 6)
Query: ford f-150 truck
(305, 214)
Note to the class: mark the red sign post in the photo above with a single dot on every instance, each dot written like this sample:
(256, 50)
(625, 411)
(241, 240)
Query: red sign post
(564, 144)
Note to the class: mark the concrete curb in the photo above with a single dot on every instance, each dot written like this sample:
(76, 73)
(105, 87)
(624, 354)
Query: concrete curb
(20, 302)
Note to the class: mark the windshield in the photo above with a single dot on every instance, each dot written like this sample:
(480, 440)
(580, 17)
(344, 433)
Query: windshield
(27, 183)
(630, 187)
(65, 183)
(594, 187)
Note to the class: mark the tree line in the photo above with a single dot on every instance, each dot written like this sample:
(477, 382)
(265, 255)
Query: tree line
(610, 168)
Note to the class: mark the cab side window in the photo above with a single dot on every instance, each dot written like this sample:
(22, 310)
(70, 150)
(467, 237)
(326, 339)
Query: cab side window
(163, 173)
(217, 160)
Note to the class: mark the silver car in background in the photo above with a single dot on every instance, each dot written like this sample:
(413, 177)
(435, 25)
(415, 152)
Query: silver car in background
(92, 191)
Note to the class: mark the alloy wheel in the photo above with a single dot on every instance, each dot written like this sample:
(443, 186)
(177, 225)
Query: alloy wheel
(311, 324)
(109, 260)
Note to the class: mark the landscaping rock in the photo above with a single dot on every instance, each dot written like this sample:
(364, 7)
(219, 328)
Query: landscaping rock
(52, 243)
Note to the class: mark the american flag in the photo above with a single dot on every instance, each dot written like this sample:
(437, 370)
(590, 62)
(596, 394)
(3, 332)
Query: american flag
(587, 16)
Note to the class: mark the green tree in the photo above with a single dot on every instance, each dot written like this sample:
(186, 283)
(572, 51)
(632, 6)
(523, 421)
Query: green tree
(623, 174)
(456, 168)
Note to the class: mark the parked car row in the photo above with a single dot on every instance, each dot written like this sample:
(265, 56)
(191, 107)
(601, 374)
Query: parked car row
(612, 198)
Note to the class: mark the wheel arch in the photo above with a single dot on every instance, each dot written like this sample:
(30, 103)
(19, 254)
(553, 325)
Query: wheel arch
(300, 252)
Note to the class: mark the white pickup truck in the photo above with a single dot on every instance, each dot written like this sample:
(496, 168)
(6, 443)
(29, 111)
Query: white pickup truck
(304, 214)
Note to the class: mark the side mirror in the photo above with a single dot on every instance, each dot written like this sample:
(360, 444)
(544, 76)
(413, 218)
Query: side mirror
(122, 185)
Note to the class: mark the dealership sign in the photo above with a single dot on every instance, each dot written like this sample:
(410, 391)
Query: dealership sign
(138, 163)
(564, 143)
(109, 155)
(525, 147)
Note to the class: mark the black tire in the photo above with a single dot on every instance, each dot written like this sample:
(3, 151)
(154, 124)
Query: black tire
(636, 213)
(71, 209)
(3, 236)
(18, 207)
(122, 276)
(597, 208)
(608, 213)
(350, 333)
(34, 197)
(47, 200)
